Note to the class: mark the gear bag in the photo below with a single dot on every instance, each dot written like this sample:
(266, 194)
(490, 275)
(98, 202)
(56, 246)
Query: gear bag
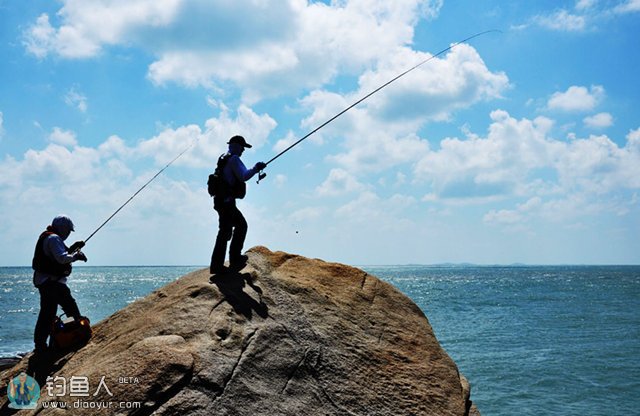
(69, 333)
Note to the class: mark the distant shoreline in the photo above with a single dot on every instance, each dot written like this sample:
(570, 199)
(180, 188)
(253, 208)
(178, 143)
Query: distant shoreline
(435, 265)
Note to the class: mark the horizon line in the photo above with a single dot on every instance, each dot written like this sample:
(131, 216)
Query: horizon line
(443, 264)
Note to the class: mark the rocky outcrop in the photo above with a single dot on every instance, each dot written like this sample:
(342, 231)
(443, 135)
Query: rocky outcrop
(285, 336)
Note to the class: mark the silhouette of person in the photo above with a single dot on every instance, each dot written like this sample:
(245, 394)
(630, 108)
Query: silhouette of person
(231, 223)
(52, 265)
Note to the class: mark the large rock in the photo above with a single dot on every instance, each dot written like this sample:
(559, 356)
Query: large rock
(286, 336)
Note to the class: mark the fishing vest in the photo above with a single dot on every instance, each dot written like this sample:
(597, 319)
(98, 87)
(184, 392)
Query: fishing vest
(45, 264)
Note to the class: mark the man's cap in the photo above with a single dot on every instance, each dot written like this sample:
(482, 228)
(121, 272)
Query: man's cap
(62, 223)
(239, 140)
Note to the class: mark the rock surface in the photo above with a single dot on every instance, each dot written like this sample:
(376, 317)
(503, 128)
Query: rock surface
(285, 336)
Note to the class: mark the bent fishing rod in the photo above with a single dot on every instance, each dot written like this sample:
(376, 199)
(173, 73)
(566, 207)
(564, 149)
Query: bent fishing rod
(263, 175)
(140, 190)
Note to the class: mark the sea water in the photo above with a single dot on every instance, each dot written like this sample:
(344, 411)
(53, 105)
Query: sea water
(534, 340)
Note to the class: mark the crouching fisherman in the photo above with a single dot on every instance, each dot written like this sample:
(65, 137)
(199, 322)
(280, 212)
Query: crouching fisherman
(52, 266)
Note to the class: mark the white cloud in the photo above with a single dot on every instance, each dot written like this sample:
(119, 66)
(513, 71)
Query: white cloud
(507, 162)
(89, 183)
(39, 38)
(339, 182)
(628, 6)
(94, 173)
(306, 214)
(371, 144)
(380, 133)
(434, 90)
(376, 213)
(577, 98)
(63, 137)
(75, 99)
(510, 217)
(582, 5)
(86, 26)
(186, 37)
(280, 180)
(488, 167)
(285, 142)
(210, 142)
(587, 15)
(633, 137)
(318, 41)
(597, 165)
(562, 20)
(598, 121)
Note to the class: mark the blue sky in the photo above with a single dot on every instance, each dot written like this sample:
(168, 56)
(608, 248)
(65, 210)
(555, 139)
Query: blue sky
(521, 146)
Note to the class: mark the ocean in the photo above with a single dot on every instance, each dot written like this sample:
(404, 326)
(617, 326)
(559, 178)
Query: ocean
(550, 340)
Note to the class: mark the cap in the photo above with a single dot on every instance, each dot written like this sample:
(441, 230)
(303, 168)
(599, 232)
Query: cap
(62, 224)
(239, 140)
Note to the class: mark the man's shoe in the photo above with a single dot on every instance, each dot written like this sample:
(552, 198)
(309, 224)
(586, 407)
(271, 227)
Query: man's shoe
(238, 263)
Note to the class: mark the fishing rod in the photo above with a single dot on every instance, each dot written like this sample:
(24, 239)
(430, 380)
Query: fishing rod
(140, 190)
(263, 175)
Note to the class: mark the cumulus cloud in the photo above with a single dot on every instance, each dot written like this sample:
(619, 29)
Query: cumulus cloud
(76, 99)
(489, 167)
(598, 165)
(520, 158)
(599, 121)
(435, 90)
(317, 42)
(515, 216)
(285, 142)
(380, 132)
(339, 182)
(371, 144)
(369, 208)
(89, 182)
(210, 142)
(87, 26)
(291, 44)
(63, 137)
(634, 137)
(577, 98)
(93, 173)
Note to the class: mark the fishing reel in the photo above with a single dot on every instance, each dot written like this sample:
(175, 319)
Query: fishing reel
(261, 176)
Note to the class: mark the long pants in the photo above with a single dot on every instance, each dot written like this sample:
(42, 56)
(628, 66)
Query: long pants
(231, 226)
(52, 294)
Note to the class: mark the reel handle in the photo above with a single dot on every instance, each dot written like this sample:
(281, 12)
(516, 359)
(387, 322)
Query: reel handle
(261, 176)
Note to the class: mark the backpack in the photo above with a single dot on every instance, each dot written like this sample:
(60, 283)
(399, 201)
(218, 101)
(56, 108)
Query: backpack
(216, 184)
(70, 334)
(218, 187)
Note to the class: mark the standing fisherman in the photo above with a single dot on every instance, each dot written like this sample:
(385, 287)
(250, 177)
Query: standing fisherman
(52, 264)
(232, 225)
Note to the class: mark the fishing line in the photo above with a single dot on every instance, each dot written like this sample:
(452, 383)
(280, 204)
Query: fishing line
(262, 175)
(453, 45)
(140, 190)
